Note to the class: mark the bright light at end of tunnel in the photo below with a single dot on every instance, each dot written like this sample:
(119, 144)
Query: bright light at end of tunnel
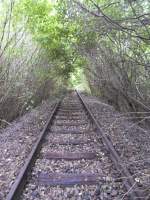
(52, 1)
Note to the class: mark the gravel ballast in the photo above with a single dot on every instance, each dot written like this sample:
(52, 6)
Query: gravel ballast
(16, 142)
(130, 140)
(108, 185)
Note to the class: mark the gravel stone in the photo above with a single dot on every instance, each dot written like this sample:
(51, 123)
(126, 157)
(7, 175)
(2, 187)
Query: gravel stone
(102, 165)
(133, 145)
(131, 141)
(16, 142)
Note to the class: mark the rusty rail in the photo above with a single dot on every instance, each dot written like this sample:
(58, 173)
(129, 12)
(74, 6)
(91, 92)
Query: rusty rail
(129, 181)
(19, 184)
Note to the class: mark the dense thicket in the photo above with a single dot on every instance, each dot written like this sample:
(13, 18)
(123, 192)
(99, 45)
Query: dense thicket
(22, 66)
(46, 45)
(115, 39)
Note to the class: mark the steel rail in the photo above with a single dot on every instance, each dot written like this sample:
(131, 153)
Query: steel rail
(129, 183)
(20, 181)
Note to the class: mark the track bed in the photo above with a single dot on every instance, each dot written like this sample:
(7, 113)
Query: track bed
(74, 162)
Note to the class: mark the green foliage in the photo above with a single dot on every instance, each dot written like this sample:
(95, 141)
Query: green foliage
(60, 31)
(50, 28)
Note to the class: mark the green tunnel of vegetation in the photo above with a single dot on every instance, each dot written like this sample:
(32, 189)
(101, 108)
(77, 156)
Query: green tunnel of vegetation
(57, 34)
(101, 46)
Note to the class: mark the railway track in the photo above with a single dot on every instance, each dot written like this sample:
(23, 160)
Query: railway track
(73, 159)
